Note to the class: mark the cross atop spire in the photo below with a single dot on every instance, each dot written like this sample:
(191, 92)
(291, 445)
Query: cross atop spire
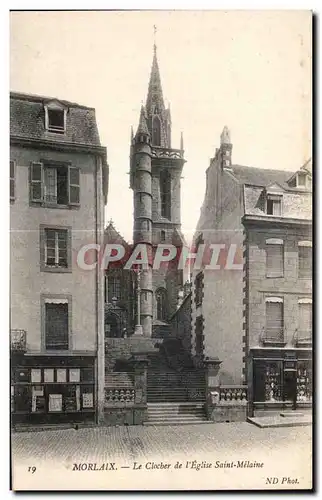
(155, 39)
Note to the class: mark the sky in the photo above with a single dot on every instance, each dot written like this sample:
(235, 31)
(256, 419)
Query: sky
(249, 70)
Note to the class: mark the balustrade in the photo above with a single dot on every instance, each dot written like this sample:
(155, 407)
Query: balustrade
(18, 340)
(167, 153)
(233, 393)
(124, 396)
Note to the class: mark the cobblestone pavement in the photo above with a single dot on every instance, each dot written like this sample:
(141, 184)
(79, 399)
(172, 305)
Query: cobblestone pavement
(284, 451)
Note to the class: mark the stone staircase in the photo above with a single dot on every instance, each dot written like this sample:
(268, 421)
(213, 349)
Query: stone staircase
(176, 414)
(174, 387)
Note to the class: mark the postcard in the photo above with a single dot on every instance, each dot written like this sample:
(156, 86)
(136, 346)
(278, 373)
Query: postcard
(161, 254)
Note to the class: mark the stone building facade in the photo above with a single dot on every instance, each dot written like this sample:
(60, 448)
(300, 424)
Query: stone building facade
(278, 292)
(251, 303)
(58, 189)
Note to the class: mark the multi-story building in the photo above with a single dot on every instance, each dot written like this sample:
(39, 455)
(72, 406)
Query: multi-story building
(252, 303)
(278, 291)
(58, 189)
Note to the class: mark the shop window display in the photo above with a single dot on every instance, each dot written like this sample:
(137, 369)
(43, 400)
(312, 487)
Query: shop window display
(273, 382)
(304, 382)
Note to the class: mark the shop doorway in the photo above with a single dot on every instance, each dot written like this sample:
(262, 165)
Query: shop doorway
(290, 386)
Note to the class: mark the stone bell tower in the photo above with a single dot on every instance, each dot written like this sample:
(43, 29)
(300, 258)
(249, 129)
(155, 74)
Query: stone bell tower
(155, 175)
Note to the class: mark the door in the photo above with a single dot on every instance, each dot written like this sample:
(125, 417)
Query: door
(289, 386)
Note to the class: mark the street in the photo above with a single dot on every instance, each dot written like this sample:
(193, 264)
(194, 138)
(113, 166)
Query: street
(206, 456)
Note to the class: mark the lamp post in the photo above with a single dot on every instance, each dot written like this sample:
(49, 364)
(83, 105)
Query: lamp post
(138, 327)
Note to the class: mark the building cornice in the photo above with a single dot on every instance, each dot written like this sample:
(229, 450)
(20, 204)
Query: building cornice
(55, 145)
(264, 219)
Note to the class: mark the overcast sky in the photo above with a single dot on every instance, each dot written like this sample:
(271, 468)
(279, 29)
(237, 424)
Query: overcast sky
(250, 70)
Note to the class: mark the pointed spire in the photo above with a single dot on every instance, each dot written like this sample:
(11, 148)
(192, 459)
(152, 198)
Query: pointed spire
(132, 133)
(181, 142)
(225, 136)
(142, 128)
(155, 95)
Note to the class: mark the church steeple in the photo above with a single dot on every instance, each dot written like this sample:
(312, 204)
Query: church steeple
(158, 118)
(154, 101)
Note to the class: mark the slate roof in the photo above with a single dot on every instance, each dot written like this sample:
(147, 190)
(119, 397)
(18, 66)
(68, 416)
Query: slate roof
(261, 177)
(27, 120)
(111, 235)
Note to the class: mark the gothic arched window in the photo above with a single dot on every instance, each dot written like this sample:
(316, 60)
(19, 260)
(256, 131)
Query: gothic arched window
(156, 131)
(165, 193)
(161, 300)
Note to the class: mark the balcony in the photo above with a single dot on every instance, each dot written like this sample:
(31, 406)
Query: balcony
(18, 340)
(273, 337)
(302, 338)
(172, 154)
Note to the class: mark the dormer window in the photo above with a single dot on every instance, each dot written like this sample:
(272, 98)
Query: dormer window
(55, 117)
(56, 120)
(274, 205)
(303, 181)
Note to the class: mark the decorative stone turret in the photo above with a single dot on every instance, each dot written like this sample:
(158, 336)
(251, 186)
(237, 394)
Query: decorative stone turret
(142, 187)
(225, 148)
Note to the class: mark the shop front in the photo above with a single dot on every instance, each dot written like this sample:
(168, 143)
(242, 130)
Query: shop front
(280, 379)
(52, 390)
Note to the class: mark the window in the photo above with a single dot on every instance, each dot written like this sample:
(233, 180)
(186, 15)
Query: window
(56, 120)
(56, 324)
(199, 335)
(162, 236)
(305, 319)
(56, 242)
(156, 131)
(54, 184)
(161, 300)
(274, 258)
(274, 205)
(305, 259)
(145, 225)
(55, 249)
(301, 180)
(199, 289)
(55, 117)
(274, 319)
(165, 194)
(114, 288)
(12, 180)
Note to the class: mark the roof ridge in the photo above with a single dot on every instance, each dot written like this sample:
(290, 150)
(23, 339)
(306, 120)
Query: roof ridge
(41, 98)
(263, 169)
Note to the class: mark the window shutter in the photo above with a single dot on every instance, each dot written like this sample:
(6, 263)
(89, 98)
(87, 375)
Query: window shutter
(274, 260)
(74, 186)
(305, 262)
(305, 319)
(56, 326)
(274, 321)
(36, 182)
(12, 180)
